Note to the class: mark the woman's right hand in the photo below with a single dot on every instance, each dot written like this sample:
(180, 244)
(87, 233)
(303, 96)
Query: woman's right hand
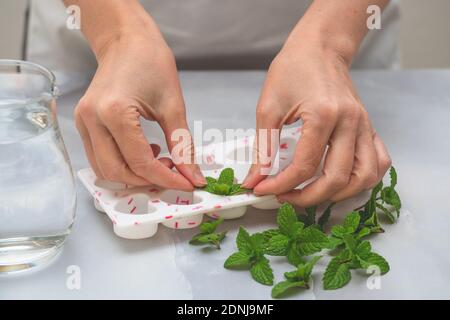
(136, 77)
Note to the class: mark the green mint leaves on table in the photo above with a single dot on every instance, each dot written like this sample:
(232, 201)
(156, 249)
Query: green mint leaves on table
(224, 185)
(208, 235)
(298, 236)
(298, 278)
(251, 256)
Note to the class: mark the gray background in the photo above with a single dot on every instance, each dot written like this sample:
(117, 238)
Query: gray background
(423, 39)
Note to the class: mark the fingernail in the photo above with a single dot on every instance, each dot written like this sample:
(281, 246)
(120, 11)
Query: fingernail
(245, 183)
(280, 199)
(199, 178)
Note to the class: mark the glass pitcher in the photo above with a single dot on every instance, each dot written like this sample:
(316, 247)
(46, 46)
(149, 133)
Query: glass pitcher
(37, 191)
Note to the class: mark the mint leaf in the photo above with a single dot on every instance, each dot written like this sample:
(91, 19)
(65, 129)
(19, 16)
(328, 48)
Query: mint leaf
(393, 176)
(390, 196)
(237, 259)
(305, 269)
(270, 233)
(210, 226)
(243, 241)
(350, 241)
(337, 273)
(386, 212)
(262, 272)
(210, 187)
(222, 189)
(194, 239)
(374, 259)
(210, 180)
(311, 240)
(226, 176)
(237, 189)
(351, 222)
(287, 219)
(338, 231)
(363, 249)
(282, 287)
(335, 242)
(278, 245)
(363, 232)
(258, 243)
(293, 255)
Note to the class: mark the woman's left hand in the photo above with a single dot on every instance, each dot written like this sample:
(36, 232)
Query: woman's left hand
(313, 84)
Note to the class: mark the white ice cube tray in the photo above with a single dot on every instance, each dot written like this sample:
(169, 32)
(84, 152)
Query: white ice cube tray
(136, 212)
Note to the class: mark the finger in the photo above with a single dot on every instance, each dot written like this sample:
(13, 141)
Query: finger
(365, 168)
(87, 145)
(135, 149)
(265, 147)
(182, 151)
(384, 160)
(315, 133)
(110, 161)
(337, 167)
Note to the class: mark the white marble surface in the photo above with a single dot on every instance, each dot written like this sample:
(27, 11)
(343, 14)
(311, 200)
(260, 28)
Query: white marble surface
(411, 112)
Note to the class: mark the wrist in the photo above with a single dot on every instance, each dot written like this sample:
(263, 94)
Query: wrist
(328, 45)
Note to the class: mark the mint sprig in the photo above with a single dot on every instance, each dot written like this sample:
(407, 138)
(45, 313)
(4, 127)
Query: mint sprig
(208, 235)
(298, 278)
(356, 254)
(251, 256)
(224, 185)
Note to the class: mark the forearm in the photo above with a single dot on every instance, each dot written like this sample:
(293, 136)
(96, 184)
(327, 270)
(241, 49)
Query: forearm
(106, 21)
(338, 26)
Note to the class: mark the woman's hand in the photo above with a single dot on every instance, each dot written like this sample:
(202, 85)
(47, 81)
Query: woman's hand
(312, 83)
(136, 77)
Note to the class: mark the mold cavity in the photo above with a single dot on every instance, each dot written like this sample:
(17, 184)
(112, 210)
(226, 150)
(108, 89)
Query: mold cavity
(135, 204)
(207, 161)
(240, 155)
(287, 144)
(108, 185)
(180, 198)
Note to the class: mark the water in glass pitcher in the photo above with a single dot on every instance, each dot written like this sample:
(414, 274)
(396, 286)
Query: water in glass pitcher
(37, 196)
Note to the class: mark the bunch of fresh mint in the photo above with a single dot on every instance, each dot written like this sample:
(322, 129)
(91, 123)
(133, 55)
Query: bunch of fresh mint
(224, 185)
(300, 236)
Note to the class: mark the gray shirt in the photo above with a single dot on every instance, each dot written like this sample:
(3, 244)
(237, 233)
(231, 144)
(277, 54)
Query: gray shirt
(203, 34)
